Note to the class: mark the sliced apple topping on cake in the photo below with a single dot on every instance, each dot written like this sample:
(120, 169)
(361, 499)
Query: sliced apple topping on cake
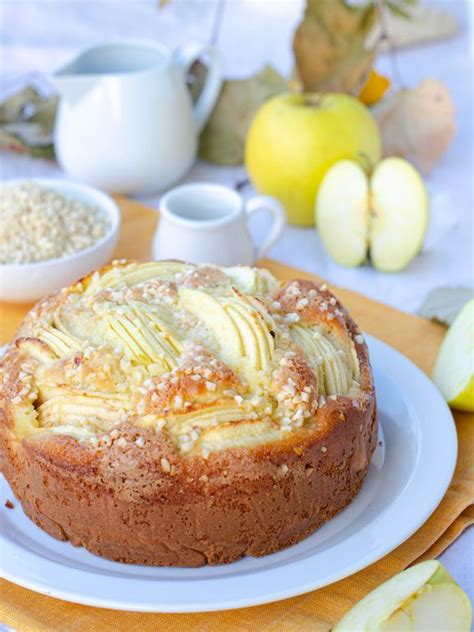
(128, 274)
(239, 329)
(58, 341)
(208, 357)
(252, 280)
(83, 415)
(142, 337)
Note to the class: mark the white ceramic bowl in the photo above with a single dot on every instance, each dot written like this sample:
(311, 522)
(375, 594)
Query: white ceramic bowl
(28, 282)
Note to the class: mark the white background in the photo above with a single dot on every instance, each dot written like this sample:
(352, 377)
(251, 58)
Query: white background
(39, 36)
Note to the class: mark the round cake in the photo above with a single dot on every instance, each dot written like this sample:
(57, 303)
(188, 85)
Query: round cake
(163, 413)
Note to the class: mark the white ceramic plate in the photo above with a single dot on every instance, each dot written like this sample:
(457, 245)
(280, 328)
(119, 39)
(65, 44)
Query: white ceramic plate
(409, 474)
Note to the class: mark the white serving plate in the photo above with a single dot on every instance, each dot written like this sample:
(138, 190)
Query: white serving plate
(409, 474)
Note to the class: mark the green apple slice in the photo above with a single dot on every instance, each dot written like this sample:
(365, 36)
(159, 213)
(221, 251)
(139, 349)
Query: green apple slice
(252, 280)
(259, 308)
(303, 337)
(60, 343)
(336, 379)
(342, 213)
(334, 376)
(261, 321)
(247, 334)
(454, 368)
(136, 273)
(399, 214)
(424, 598)
(217, 321)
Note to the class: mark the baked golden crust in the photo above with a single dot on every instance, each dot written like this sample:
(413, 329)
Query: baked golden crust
(170, 414)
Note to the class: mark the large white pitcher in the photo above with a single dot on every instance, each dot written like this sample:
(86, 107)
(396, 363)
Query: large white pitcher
(125, 121)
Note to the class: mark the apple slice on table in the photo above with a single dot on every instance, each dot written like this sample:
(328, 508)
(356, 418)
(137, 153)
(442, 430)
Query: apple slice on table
(385, 216)
(454, 368)
(424, 598)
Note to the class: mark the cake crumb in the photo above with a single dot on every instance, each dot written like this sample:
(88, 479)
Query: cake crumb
(165, 465)
(9, 504)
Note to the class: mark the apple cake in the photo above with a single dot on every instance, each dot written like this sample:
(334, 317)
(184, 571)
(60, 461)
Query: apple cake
(163, 413)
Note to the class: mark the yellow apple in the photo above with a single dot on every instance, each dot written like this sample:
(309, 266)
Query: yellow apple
(295, 138)
(454, 368)
(385, 215)
(424, 598)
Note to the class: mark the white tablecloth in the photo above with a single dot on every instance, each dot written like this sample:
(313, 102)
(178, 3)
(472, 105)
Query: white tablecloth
(38, 36)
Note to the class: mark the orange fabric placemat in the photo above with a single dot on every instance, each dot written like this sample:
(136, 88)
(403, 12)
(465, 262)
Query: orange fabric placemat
(419, 340)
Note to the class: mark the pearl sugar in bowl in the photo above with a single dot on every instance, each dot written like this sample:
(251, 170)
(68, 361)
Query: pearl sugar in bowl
(52, 232)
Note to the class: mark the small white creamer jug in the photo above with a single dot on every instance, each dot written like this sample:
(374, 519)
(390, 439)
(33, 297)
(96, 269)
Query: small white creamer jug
(126, 122)
(207, 223)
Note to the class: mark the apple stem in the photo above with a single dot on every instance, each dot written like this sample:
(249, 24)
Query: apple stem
(368, 164)
(313, 100)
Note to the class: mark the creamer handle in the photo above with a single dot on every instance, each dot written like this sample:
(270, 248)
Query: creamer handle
(185, 56)
(267, 203)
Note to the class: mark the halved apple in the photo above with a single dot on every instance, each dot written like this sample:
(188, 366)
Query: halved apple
(424, 598)
(386, 216)
(399, 214)
(343, 213)
(454, 368)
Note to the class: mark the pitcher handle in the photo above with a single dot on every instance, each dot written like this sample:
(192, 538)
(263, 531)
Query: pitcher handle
(185, 56)
(267, 203)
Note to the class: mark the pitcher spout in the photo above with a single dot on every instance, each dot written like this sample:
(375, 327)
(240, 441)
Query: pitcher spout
(71, 85)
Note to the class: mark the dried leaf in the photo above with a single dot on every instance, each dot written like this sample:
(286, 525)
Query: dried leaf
(222, 140)
(444, 303)
(329, 45)
(426, 24)
(27, 123)
(11, 109)
(417, 123)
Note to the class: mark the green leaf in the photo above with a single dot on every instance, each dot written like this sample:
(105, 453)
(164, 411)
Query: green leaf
(444, 303)
(222, 139)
